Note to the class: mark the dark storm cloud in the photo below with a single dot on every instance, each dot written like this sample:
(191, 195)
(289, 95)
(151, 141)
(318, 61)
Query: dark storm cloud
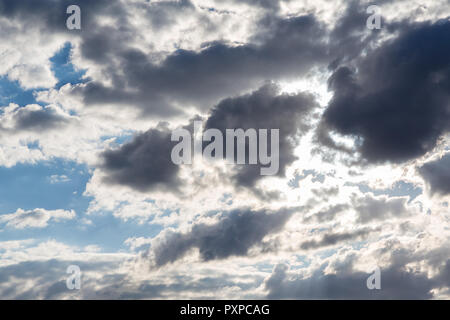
(437, 175)
(144, 163)
(331, 239)
(265, 109)
(233, 235)
(396, 100)
(398, 280)
(396, 283)
(350, 36)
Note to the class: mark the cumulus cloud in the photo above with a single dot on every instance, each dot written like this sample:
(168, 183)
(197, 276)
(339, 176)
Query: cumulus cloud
(37, 218)
(190, 77)
(144, 163)
(33, 118)
(437, 175)
(328, 214)
(396, 284)
(371, 208)
(394, 101)
(233, 235)
(331, 239)
(265, 109)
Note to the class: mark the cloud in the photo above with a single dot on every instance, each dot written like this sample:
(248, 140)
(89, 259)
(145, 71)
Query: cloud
(371, 208)
(144, 163)
(32, 118)
(233, 235)
(395, 284)
(437, 175)
(32, 31)
(53, 179)
(37, 218)
(265, 109)
(328, 214)
(394, 102)
(170, 60)
(38, 270)
(332, 239)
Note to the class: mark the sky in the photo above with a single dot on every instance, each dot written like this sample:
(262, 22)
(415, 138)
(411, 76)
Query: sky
(87, 179)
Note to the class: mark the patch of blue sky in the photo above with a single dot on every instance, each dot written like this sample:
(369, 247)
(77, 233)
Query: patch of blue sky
(30, 186)
(302, 261)
(294, 183)
(64, 70)
(11, 92)
(106, 232)
(326, 252)
(399, 189)
(123, 138)
(110, 233)
(60, 184)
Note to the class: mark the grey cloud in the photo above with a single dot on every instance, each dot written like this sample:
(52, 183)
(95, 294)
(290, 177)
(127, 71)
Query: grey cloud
(396, 283)
(397, 280)
(267, 4)
(48, 278)
(350, 36)
(34, 118)
(370, 208)
(437, 175)
(443, 277)
(288, 49)
(162, 14)
(325, 193)
(233, 235)
(99, 281)
(396, 103)
(265, 109)
(331, 239)
(144, 163)
(50, 15)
